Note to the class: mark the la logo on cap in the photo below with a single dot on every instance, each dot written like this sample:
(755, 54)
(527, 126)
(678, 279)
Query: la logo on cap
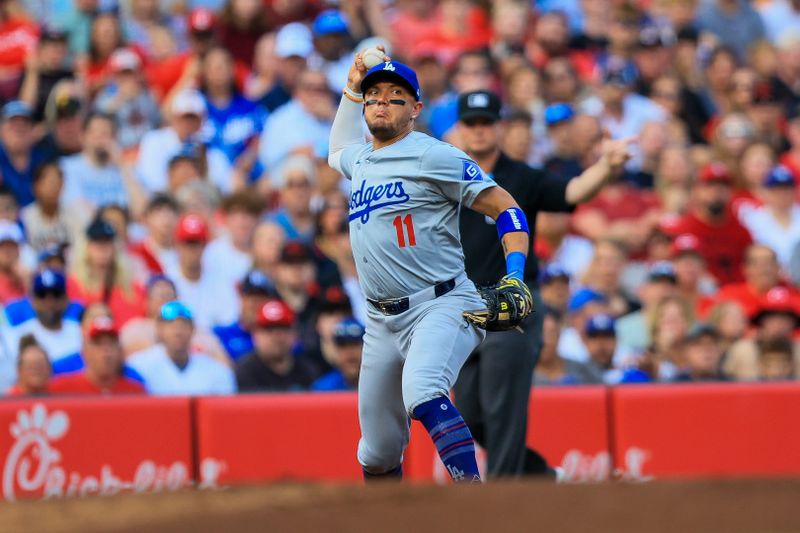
(478, 100)
(388, 66)
(48, 278)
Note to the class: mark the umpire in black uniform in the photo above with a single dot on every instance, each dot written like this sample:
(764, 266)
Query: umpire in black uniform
(493, 388)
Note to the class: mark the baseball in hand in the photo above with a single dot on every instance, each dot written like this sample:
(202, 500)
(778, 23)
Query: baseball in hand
(371, 57)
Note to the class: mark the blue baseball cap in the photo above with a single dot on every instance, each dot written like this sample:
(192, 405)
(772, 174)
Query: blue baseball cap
(17, 108)
(779, 176)
(558, 113)
(348, 331)
(582, 297)
(328, 22)
(599, 325)
(49, 282)
(174, 310)
(392, 70)
(256, 283)
(553, 271)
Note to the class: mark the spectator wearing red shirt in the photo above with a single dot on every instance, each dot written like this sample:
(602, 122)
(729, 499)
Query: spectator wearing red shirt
(459, 27)
(551, 40)
(241, 24)
(106, 36)
(102, 353)
(100, 272)
(12, 286)
(182, 69)
(33, 369)
(723, 240)
(761, 274)
(18, 39)
(157, 249)
(777, 317)
(622, 212)
(693, 280)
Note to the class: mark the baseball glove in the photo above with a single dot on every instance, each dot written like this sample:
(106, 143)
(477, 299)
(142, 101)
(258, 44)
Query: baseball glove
(508, 303)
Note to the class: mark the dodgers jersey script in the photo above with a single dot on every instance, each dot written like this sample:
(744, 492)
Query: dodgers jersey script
(404, 210)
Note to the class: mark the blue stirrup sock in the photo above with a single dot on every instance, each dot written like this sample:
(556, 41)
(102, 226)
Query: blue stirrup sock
(451, 436)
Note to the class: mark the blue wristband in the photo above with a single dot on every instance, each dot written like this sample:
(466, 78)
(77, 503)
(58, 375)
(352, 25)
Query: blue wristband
(515, 265)
(512, 219)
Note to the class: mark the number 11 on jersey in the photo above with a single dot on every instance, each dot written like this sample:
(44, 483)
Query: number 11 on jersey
(406, 221)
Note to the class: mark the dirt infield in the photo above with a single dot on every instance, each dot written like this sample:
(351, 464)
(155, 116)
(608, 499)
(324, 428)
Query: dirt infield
(708, 507)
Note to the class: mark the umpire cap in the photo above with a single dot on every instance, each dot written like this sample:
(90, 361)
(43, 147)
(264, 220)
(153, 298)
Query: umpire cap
(479, 104)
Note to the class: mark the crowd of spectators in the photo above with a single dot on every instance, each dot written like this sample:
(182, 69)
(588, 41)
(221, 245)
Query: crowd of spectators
(169, 223)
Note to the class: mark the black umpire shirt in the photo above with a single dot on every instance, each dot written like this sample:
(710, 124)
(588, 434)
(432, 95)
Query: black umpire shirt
(534, 191)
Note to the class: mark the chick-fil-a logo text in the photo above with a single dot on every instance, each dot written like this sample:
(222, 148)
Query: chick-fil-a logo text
(33, 464)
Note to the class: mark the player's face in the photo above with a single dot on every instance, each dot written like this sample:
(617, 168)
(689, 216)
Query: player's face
(481, 136)
(386, 117)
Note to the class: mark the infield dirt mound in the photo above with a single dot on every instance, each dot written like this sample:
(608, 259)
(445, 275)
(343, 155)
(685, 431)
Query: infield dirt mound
(708, 507)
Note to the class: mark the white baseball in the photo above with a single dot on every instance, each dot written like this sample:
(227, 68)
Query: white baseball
(371, 57)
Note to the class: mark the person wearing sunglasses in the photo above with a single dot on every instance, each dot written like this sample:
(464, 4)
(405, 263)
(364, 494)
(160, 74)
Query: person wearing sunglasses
(173, 366)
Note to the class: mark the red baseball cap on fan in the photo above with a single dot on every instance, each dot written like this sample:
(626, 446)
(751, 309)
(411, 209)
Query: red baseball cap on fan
(201, 20)
(778, 300)
(275, 314)
(685, 243)
(714, 173)
(191, 227)
(102, 325)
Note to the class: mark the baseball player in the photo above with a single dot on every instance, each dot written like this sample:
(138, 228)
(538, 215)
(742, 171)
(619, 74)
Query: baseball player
(424, 316)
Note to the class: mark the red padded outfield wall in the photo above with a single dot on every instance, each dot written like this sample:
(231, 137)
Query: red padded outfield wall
(71, 447)
(696, 430)
(77, 447)
(251, 438)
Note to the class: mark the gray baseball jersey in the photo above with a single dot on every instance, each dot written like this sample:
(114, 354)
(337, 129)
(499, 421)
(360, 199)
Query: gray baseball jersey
(404, 212)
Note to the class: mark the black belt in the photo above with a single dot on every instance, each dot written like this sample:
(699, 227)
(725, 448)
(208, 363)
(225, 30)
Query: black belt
(395, 306)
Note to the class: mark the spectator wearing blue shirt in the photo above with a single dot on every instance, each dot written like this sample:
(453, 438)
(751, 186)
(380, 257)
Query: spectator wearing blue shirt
(18, 157)
(293, 45)
(48, 314)
(473, 72)
(233, 123)
(295, 180)
(348, 337)
(94, 178)
(254, 291)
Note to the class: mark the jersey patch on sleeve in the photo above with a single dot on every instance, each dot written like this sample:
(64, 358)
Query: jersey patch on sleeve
(471, 172)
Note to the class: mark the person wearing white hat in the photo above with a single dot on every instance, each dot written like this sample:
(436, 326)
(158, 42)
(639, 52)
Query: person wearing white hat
(158, 147)
(288, 50)
(126, 96)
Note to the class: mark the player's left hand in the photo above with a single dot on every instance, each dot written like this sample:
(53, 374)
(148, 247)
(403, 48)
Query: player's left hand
(508, 303)
(616, 152)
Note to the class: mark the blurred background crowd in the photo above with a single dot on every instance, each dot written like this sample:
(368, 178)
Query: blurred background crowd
(169, 223)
